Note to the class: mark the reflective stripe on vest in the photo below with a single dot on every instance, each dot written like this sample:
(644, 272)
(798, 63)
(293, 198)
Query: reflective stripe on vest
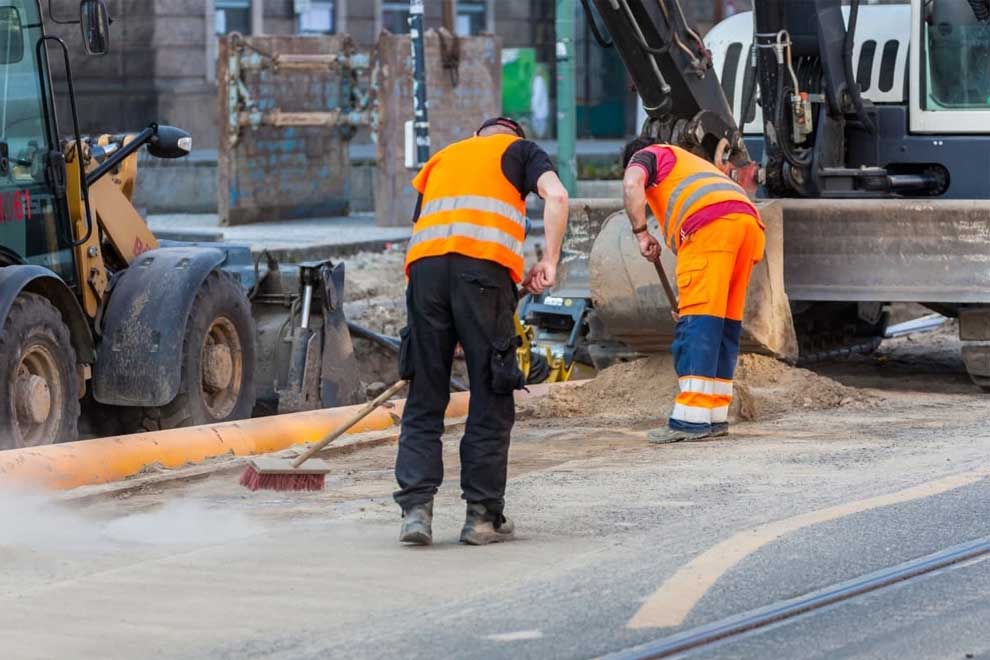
(469, 206)
(692, 185)
(467, 230)
(473, 203)
(716, 186)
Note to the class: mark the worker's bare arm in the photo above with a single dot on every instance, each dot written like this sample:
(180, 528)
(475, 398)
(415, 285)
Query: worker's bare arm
(634, 199)
(554, 194)
(544, 274)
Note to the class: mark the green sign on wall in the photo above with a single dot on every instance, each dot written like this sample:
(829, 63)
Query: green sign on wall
(526, 90)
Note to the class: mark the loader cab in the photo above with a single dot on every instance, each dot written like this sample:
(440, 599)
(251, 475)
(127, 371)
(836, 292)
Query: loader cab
(34, 222)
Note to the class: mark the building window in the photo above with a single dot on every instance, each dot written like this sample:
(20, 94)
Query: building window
(232, 16)
(316, 16)
(395, 17)
(472, 17)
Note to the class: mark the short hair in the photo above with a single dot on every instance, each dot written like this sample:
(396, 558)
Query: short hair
(635, 145)
(503, 122)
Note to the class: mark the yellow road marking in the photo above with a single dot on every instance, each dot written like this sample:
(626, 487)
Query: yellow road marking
(674, 600)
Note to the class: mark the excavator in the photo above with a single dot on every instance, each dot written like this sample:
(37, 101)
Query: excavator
(103, 326)
(863, 130)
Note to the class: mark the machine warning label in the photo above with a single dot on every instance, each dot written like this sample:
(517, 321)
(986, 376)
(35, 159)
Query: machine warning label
(15, 206)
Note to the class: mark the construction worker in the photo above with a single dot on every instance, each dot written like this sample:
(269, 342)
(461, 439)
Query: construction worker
(708, 221)
(464, 261)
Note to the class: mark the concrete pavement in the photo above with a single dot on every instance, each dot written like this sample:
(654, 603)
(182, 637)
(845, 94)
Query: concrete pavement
(208, 570)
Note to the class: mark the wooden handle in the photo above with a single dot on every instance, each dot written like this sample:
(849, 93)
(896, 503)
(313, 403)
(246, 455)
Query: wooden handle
(674, 307)
(346, 426)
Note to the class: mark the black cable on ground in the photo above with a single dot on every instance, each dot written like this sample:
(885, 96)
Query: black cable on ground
(393, 343)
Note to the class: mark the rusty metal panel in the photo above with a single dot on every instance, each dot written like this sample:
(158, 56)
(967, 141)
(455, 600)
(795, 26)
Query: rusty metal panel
(456, 111)
(278, 158)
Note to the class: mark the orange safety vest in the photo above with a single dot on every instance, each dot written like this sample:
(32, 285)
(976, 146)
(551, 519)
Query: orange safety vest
(469, 207)
(693, 184)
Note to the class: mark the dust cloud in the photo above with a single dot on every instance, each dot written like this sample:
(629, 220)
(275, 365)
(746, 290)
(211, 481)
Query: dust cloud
(182, 522)
(39, 522)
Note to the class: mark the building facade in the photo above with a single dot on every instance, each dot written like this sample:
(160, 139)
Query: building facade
(162, 65)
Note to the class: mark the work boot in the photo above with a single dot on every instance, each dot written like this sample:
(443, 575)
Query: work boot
(482, 527)
(417, 525)
(720, 430)
(667, 435)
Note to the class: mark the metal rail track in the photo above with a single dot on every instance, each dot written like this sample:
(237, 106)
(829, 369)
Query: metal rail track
(763, 617)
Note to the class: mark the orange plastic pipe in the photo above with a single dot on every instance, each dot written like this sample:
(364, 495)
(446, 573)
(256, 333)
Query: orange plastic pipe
(60, 467)
(89, 462)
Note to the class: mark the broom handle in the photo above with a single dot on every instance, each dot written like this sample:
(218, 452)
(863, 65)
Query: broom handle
(346, 426)
(662, 274)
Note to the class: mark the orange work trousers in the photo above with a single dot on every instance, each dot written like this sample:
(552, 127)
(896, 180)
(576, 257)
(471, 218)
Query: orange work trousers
(714, 265)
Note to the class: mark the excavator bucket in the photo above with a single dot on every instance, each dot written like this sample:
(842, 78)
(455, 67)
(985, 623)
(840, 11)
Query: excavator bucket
(630, 302)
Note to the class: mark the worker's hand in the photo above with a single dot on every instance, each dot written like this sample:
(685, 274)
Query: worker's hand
(541, 277)
(649, 246)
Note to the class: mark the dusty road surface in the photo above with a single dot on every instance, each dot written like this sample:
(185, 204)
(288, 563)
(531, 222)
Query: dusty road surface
(620, 542)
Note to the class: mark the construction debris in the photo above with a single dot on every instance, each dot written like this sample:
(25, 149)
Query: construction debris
(644, 390)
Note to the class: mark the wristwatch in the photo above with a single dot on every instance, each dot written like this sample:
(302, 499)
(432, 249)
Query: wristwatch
(640, 230)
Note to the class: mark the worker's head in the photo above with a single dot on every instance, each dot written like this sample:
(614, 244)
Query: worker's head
(501, 126)
(630, 149)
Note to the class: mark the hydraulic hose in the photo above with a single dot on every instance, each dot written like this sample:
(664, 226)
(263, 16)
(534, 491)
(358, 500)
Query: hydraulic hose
(783, 127)
(851, 83)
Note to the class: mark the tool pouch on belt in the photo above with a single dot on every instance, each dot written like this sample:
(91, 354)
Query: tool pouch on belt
(406, 370)
(507, 377)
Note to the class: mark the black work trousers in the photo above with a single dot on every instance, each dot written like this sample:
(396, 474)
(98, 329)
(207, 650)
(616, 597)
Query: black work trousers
(451, 299)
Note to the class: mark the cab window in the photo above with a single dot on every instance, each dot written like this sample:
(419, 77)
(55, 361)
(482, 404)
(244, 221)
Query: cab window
(957, 56)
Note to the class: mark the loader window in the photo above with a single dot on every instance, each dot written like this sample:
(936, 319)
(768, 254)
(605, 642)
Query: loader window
(32, 225)
(11, 36)
(958, 59)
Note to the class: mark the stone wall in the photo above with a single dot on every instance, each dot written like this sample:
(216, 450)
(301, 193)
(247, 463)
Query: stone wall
(454, 112)
(156, 70)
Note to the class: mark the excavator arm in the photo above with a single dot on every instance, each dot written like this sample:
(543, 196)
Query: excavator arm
(813, 111)
(672, 72)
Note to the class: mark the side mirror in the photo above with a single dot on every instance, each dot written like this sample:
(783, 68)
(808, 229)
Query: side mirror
(95, 22)
(170, 142)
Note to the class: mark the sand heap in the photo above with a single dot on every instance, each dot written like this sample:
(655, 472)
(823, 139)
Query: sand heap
(645, 389)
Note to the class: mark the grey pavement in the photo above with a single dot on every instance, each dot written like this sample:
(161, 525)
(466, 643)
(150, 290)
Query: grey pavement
(292, 240)
(289, 240)
(938, 616)
(206, 570)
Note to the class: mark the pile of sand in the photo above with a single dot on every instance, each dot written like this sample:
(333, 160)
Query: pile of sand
(645, 390)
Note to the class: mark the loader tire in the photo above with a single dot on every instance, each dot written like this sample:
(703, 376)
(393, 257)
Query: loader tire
(218, 356)
(39, 383)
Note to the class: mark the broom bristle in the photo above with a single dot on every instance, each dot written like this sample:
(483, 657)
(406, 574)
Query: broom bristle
(254, 481)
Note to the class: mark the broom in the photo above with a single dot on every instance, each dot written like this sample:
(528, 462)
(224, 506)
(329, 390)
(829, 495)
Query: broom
(289, 474)
(667, 289)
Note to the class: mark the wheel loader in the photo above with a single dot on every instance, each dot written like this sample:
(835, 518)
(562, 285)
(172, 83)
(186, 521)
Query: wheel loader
(865, 131)
(104, 326)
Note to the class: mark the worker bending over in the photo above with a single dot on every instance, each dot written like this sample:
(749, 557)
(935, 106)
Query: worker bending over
(715, 230)
(464, 261)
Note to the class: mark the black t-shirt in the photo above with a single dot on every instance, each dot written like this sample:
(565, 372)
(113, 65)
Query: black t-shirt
(523, 163)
